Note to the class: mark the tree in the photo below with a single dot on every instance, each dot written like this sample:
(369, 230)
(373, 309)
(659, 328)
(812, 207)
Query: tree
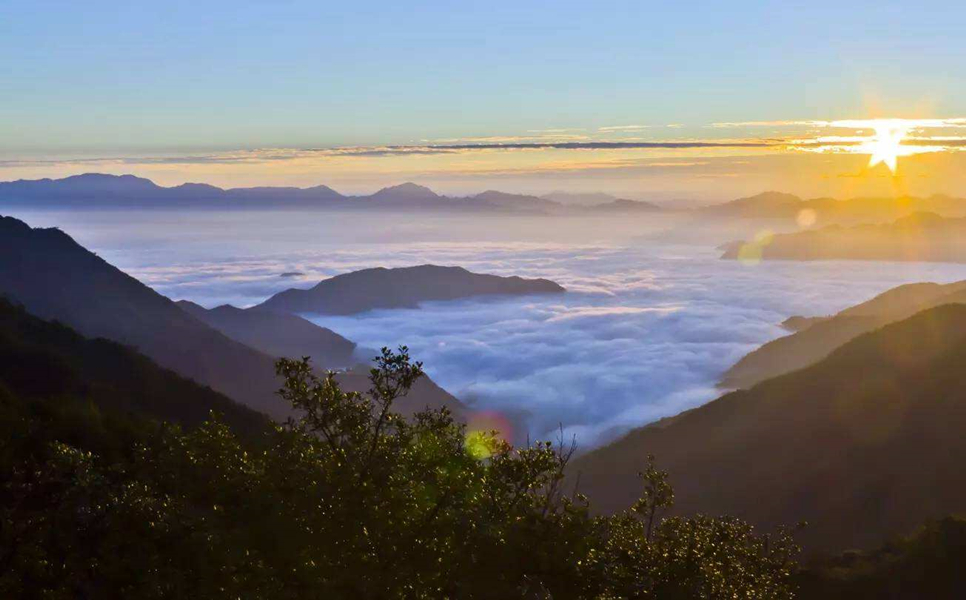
(350, 500)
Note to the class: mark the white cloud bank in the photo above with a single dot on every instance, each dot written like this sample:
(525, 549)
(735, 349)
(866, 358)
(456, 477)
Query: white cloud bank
(645, 330)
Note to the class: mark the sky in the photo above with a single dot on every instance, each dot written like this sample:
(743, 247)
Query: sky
(367, 94)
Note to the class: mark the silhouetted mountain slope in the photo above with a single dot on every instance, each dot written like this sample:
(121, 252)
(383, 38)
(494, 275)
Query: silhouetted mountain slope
(792, 352)
(278, 334)
(906, 300)
(864, 445)
(823, 335)
(45, 361)
(283, 335)
(56, 278)
(406, 287)
(917, 237)
(776, 205)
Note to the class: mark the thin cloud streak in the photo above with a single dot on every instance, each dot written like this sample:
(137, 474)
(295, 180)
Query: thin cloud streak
(671, 166)
(850, 123)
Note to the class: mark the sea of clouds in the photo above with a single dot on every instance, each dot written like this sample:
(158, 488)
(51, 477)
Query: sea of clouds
(644, 331)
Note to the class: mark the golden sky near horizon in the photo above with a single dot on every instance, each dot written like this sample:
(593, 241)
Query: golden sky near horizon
(667, 162)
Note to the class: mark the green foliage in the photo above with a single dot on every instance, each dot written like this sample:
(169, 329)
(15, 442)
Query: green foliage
(656, 496)
(928, 564)
(348, 500)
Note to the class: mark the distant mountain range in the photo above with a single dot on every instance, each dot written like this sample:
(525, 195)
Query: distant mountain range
(55, 278)
(406, 287)
(94, 190)
(598, 201)
(916, 237)
(865, 444)
(578, 198)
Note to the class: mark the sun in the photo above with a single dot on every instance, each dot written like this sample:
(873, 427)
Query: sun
(886, 146)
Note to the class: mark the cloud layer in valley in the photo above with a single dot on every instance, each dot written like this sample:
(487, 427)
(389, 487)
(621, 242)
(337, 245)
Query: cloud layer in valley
(644, 331)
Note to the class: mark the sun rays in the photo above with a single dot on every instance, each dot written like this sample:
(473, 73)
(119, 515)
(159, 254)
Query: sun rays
(886, 147)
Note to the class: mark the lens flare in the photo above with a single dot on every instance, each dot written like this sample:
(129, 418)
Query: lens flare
(806, 218)
(751, 253)
(486, 431)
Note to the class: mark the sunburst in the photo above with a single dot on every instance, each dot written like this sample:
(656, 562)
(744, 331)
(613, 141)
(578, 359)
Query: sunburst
(886, 146)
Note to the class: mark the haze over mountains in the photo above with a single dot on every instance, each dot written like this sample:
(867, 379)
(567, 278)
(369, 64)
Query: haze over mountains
(94, 190)
(916, 237)
(821, 211)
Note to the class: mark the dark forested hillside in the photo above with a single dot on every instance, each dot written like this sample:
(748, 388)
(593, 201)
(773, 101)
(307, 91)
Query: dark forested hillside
(56, 278)
(49, 364)
(863, 445)
(927, 564)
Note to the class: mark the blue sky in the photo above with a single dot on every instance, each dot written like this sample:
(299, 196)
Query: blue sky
(111, 79)
(220, 74)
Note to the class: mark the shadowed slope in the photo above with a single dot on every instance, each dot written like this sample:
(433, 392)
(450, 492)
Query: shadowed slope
(928, 564)
(56, 278)
(278, 334)
(821, 336)
(283, 335)
(45, 361)
(863, 445)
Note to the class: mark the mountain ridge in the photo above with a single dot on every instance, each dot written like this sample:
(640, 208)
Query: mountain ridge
(821, 335)
(403, 287)
(98, 190)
